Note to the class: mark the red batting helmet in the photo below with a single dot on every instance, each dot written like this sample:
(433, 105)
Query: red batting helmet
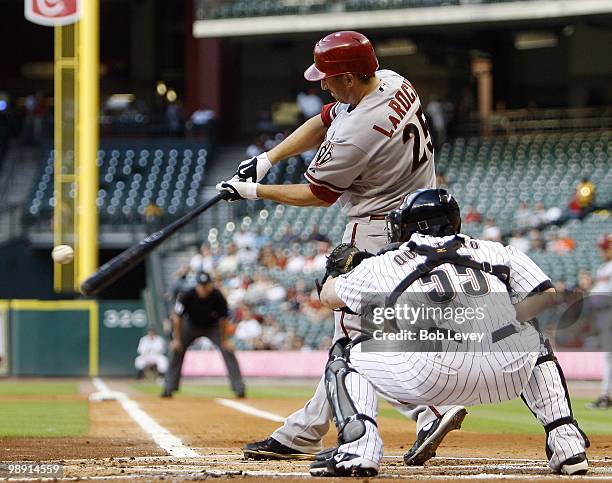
(339, 53)
(605, 241)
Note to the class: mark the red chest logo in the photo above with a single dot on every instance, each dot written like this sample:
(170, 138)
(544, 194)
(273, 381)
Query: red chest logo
(53, 12)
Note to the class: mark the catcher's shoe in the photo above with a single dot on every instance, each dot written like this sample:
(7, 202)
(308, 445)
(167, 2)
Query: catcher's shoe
(602, 402)
(344, 464)
(429, 439)
(270, 449)
(576, 465)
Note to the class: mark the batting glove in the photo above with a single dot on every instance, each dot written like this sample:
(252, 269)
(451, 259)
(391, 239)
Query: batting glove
(253, 170)
(238, 190)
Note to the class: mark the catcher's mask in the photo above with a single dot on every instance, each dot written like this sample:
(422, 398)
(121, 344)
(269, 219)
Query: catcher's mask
(428, 211)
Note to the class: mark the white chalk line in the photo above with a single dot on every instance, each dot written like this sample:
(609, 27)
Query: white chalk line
(252, 411)
(160, 435)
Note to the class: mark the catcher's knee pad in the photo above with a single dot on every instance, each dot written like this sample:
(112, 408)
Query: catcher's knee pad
(350, 423)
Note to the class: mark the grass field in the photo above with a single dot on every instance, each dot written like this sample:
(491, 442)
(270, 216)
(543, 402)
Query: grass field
(37, 409)
(507, 417)
(32, 409)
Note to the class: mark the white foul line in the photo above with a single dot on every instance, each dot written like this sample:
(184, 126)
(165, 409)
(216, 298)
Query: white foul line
(245, 408)
(162, 437)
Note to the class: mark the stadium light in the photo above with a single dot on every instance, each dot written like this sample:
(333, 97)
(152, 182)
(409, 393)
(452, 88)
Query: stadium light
(161, 88)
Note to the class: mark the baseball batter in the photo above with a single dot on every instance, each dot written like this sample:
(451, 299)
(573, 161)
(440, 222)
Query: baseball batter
(485, 359)
(600, 303)
(375, 147)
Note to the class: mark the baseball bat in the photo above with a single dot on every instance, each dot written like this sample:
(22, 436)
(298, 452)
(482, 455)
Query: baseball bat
(128, 259)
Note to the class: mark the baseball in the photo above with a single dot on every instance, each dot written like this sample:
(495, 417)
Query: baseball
(62, 254)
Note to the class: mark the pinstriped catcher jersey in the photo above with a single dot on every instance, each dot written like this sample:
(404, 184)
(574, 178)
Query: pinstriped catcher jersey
(376, 152)
(448, 285)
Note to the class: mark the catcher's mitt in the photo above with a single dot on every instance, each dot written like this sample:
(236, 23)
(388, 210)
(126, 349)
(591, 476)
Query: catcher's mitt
(343, 259)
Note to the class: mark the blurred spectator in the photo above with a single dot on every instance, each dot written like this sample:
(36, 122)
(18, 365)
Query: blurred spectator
(536, 241)
(316, 235)
(272, 336)
(260, 238)
(441, 180)
(519, 241)
(249, 328)
(523, 218)
(296, 261)
(35, 111)
(316, 312)
(247, 256)
(309, 103)
(491, 231)
(435, 113)
(288, 236)
(267, 257)
(203, 261)
(257, 146)
(243, 238)
(563, 243)
(201, 123)
(472, 216)
(585, 281)
(151, 353)
(174, 119)
(237, 293)
(539, 215)
(228, 263)
(600, 301)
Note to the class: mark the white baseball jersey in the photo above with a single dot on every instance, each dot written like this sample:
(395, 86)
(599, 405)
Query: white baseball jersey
(457, 377)
(376, 152)
(151, 345)
(603, 279)
(384, 273)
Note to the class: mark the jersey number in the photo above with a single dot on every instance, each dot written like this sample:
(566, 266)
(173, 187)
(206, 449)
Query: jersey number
(411, 131)
(443, 290)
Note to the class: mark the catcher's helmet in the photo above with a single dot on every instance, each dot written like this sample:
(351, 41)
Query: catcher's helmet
(429, 211)
(345, 52)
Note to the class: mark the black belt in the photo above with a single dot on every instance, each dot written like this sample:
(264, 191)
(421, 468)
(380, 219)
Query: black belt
(378, 217)
(505, 331)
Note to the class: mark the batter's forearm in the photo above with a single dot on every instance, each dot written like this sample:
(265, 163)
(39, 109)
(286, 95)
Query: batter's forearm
(290, 194)
(308, 136)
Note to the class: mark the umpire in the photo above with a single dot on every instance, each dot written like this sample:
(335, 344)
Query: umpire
(200, 312)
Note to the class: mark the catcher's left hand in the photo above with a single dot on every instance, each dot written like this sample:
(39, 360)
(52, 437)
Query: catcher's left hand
(341, 260)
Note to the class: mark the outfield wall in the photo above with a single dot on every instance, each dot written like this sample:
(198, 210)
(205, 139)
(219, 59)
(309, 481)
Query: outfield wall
(70, 337)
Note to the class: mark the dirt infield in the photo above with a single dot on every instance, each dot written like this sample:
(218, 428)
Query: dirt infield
(117, 448)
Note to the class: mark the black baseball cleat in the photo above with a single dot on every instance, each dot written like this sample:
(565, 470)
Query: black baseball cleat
(325, 454)
(602, 402)
(428, 440)
(344, 464)
(576, 465)
(270, 449)
(166, 393)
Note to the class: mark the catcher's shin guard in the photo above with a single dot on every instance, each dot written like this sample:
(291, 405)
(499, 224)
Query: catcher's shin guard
(547, 397)
(351, 424)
